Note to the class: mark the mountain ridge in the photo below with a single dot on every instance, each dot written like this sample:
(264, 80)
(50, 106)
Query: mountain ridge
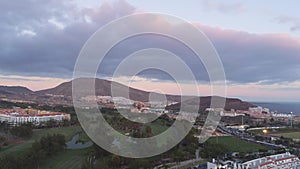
(62, 94)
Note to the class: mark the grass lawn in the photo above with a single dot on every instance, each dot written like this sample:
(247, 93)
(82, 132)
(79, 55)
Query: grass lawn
(295, 135)
(157, 127)
(234, 144)
(281, 130)
(68, 159)
(69, 132)
(285, 132)
(260, 131)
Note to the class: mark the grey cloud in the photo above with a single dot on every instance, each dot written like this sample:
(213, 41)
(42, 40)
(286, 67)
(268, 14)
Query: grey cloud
(253, 57)
(293, 21)
(52, 52)
(228, 7)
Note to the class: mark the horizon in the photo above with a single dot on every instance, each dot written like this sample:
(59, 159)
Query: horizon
(143, 89)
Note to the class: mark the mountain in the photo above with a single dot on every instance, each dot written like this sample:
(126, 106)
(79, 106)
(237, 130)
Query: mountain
(62, 95)
(16, 93)
(205, 102)
(14, 90)
(103, 88)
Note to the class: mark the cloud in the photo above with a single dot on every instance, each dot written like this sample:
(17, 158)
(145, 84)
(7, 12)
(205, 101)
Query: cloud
(228, 7)
(247, 57)
(256, 57)
(293, 21)
(44, 39)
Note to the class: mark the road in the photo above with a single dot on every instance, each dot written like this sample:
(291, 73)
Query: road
(181, 164)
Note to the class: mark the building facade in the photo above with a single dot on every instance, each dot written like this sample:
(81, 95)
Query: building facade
(14, 118)
(278, 161)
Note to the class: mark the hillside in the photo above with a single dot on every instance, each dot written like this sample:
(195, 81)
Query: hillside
(205, 102)
(14, 90)
(62, 95)
(16, 93)
(102, 88)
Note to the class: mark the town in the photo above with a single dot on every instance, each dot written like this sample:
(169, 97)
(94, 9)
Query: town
(263, 138)
(257, 125)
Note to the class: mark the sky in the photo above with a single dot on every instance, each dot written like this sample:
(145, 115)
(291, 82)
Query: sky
(258, 43)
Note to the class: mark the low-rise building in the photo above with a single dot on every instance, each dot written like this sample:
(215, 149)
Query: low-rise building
(257, 109)
(284, 160)
(15, 117)
(278, 161)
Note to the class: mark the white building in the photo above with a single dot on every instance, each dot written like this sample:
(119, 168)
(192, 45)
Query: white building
(256, 109)
(282, 115)
(15, 118)
(215, 109)
(278, 161)
(267, 110)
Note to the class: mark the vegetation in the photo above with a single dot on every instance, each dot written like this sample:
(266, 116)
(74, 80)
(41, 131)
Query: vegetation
(24, 131)
(274, 131)
(294, 135)
(232, 144)
(37, 134)
(98, 158)
(45, 147)
(213, 150)
(40, 144)
(40, 150)
(123, 125)
(66, 159)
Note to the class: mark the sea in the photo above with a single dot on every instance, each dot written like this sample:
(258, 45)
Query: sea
(281, 107)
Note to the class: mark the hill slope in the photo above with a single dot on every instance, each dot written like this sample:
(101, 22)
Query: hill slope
(62, 95)
(14, 90)
(205, 102)
(102, 88)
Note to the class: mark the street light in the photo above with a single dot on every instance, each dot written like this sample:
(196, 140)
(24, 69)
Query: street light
(291, 119)
(265, 131)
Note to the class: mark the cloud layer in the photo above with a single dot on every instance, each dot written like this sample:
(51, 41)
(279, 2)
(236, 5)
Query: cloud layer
(44, 39)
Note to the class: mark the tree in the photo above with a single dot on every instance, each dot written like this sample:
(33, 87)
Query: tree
(140, 164)
(10, 162)
(89, 161)
(25, 130)
(115, 161)
(148, 131)
(38, 153)
(178, 155)
(213, 150)
(52, 144)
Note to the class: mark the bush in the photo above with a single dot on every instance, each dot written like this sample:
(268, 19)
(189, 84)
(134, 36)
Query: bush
(24, 131)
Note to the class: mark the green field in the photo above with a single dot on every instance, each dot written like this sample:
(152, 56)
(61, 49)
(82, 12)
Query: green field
(294, 135)
(236, 145)
(285, 132)
(157, 127)
(282, 130)
(256, 131)
(69, 132)
(68, 159)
